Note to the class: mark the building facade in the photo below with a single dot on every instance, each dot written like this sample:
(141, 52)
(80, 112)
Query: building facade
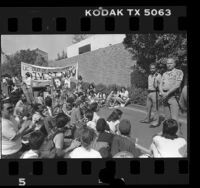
(109, 65)
(94, 42)
(42, 53)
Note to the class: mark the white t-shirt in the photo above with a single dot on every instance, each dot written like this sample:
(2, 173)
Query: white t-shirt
(59, 140)
(95, 117)
(91, 124)
(164, 147)
(113, 125)
(124, 94)
(81, 152)
(9, 131)
(31, 154)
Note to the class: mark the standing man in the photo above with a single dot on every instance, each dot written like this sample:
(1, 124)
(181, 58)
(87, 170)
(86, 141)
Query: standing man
(29, 90)
(152, 98)
(170, 84)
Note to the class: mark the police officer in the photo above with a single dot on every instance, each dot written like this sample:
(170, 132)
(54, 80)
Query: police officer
(152, 99)
(169, 86)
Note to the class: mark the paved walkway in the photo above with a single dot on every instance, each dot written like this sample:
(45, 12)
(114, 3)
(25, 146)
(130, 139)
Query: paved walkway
(139, 130)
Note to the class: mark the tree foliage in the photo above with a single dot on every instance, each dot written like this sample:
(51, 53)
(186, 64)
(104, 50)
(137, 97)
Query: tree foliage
(149, 48)
(13, 64)
(63, 55)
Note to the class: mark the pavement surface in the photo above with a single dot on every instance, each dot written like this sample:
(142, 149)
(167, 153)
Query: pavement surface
(141, 131)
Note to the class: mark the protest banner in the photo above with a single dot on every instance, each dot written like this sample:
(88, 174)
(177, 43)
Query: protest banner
(42, 76)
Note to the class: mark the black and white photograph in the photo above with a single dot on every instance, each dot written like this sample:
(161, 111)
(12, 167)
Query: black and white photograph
(94, 96)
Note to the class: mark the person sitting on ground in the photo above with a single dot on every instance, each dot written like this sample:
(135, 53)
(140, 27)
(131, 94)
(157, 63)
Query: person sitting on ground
(22, 102)
(124, 142)
(113, 120)
(168, 144)
(91, 97)
(103, 130)
(89, 116)
(111, 99)
(85, 150)
(35, 141)
(76, 112)
(12, 132)
(48, 104)
(104, 139)
(47, 91)
(123, 97)
(94, 108)
(40, 98)
(68, 105)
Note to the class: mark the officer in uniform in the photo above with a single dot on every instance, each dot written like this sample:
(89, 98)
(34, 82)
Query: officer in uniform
(169, 86)
(152, 99)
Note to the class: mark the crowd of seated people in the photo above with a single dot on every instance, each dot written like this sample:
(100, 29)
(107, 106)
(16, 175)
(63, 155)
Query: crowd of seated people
(68, 125)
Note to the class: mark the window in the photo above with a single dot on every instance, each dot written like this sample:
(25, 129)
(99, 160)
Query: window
(84, 49)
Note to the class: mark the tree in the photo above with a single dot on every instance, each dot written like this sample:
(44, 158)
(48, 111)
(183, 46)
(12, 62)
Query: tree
(78, 38)
(13, 65)
(62, 56)
(148, 48)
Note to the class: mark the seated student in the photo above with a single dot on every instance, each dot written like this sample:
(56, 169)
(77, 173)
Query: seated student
(76, 112)
(168, 144)
(103, 130)
(111, 99)
(91, 97)
(68, 105)
(94, 108)
(89, 116)
(40, 98)
(124, 142)
(123, 97)
(85, 150)
(36, 139)
(12, 132)
(114, 119)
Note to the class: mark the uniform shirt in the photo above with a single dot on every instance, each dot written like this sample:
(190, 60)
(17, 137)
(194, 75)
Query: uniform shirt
(165, 147)
(171, 78)
(153, 80)
(81, 152)
(59, 141)
(95, 117)
(9, 131)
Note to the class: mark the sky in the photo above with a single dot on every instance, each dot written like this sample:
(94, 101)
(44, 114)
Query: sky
(52, 44)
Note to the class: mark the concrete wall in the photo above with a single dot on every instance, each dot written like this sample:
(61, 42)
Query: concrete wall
(96, 42)
(110, 65)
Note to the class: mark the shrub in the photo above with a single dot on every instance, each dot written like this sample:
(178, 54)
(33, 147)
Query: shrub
(138, 95)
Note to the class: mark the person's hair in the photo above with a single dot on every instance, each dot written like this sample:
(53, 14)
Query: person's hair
(36, 107)
(5, 101)
(28, 74)
(48, 101)
(89, 115)
(61, 120)
(93, 106)
(87, 137)
(115, 115)
(172, 57)
(36, 139)
(91, 85)
(123, 88)
(80, 77)
(170, 128)
(102, 125)
(41, 92)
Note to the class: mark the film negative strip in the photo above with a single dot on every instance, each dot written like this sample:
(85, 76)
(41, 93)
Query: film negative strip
(99, 32)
